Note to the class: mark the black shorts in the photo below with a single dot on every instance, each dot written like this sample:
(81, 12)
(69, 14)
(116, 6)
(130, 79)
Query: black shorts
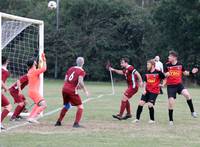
(149, 97)
(172, 90)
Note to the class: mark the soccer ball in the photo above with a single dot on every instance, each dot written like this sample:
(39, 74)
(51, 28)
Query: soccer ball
(52, 5)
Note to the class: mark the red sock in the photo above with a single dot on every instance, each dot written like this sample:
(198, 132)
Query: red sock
(78, 115)
(4, 113)
(17, 111)
(32, 111)
(122, 108)
(128, 108)
(62, 114)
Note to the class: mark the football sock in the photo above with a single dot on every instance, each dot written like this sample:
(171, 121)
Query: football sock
(33, 111)
(122, 108)
(128, 108)
(190, 104)
(170, 114)
(17, 111)
(151, 113)
(4, 113)
(78, 115)
(62, 114)
(139, 111)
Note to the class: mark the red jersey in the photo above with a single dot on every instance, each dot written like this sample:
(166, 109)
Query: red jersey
(131, 78)
(175, 73)
(23, 80)
(153, 80)
(5, 74)
(72, 77)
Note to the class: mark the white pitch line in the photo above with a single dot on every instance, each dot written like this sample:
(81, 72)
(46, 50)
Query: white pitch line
(54, 111)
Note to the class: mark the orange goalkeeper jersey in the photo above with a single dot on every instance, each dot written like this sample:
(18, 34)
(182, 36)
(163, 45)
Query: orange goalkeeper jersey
(34, 79)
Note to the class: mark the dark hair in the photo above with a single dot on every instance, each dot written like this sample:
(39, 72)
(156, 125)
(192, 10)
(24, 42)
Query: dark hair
(173, 53)
(4, 59)
(125, 60)
(152, 61)
(30, 63)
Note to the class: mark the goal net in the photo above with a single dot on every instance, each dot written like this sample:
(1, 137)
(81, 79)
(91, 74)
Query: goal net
(20, 39)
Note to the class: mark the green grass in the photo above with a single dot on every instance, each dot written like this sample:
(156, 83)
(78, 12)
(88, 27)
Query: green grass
(101, 129)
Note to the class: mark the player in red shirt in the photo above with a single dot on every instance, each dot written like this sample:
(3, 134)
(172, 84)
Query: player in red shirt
(19, 98)
(132, 77)
(5, 104)
(73, 81)
(152, 83)
(174, 71)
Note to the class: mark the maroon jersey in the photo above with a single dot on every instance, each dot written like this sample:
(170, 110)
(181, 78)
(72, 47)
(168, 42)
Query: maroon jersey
(175, 73)
(153, 80)
(72, 77)
(131, 78)
(5, 74)
(23, 80)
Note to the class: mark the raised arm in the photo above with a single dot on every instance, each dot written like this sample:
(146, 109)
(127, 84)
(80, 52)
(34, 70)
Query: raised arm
(44, 65)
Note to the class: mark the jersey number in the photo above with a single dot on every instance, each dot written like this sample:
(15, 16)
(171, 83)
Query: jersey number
(71, 76)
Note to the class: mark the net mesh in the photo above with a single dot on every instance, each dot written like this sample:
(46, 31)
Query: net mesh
(20, 42)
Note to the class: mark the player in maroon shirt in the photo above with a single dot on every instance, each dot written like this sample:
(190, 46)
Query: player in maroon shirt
(73, 81)
(132, 77)
(5, 104)
(174, 71)
(152, 83)
(19, 98)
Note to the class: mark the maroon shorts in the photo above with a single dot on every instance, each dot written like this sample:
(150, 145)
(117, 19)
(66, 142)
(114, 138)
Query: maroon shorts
(130, 92)
(71, 97)
(4, 101)
(16, 96)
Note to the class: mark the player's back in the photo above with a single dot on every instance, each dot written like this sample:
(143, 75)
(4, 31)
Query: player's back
(72, 77)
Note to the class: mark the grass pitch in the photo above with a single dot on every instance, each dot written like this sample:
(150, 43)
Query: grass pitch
(101, 129)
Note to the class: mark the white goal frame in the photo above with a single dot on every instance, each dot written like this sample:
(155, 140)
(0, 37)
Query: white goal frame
(41, 38)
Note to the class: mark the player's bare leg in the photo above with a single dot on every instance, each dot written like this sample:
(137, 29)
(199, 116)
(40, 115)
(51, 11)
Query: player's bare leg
(122, 108)
(62, 114)
(139, 111)
(4, 113)
(187, 95)
(20, 107)
(79, 114)
(171, 103)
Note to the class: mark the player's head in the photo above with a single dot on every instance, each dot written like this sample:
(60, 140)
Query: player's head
(31, 63)
(157, 58)
(124, 62)
(80, 61)
(173, 55)
(4, 60)
(150, 64)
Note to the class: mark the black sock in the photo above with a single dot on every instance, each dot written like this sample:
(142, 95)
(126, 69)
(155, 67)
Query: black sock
(151, 113)
(170, 114)
(190, 104)
(139, 111)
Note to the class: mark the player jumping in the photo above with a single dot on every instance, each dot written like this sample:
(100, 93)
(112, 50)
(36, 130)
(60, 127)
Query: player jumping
(174, 71)
(152, 80)
(19, 98)
(73, 81)
(34, 88)
(5, 104)
(132, 77)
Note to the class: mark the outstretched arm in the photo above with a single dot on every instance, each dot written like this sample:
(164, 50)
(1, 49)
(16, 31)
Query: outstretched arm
(188, 73)
(120, 72)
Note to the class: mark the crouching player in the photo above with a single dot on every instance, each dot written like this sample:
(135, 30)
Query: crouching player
(34, 88)
(19, 98)
(152, 85)
(73, 81)
(5, 104)
(132, 76)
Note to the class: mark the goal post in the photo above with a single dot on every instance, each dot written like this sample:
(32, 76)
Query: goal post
(20, 39)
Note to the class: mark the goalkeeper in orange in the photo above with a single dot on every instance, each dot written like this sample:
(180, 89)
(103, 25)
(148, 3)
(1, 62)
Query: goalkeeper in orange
(34, 87)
